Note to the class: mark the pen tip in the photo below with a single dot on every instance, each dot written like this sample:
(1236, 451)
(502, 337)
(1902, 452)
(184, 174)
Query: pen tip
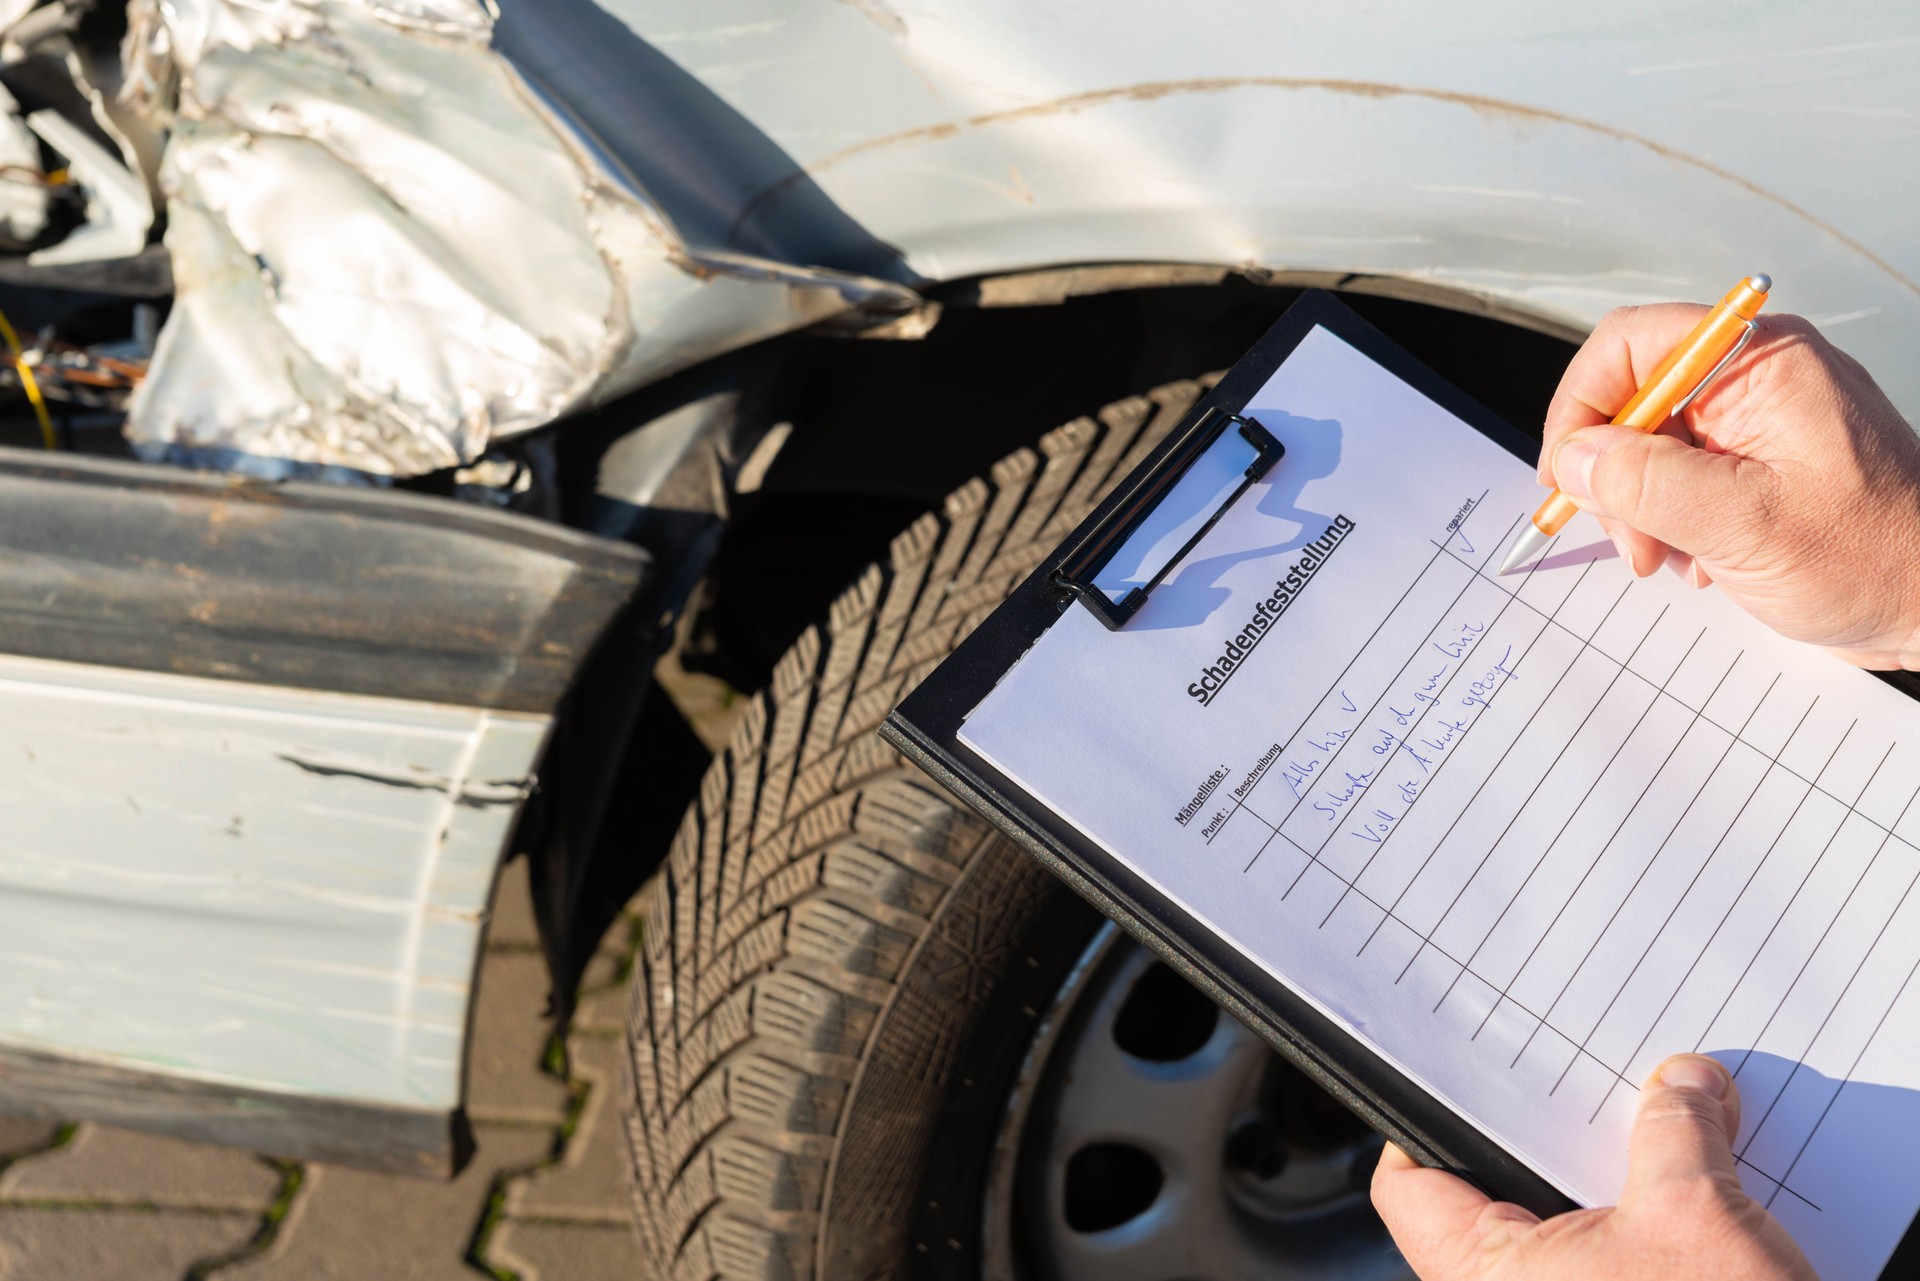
(1524, 549)
(1760, 282)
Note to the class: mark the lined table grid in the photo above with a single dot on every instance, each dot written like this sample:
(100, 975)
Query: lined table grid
(1646, 712)
(1520, 837)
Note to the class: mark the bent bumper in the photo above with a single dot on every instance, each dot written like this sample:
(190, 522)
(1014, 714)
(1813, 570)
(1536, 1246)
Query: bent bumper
(266, 747)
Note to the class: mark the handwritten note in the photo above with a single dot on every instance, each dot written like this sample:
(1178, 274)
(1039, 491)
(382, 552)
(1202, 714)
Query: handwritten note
(1523, 836)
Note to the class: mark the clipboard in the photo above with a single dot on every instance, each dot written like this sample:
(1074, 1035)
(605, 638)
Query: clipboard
(926, 725)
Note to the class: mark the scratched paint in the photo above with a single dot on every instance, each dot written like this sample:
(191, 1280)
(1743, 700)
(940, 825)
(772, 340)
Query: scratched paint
(264, 887)
(1555, 162)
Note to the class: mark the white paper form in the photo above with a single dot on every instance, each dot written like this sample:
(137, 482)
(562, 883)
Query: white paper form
(1524, 836)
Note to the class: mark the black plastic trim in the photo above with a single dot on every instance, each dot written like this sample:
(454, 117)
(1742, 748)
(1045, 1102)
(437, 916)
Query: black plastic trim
(354, 591)
(375, 1136)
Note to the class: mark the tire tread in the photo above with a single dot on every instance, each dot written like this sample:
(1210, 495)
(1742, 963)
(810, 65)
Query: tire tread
(813, 865)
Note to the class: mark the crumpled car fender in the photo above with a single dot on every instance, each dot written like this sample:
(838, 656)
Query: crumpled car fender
(391, 249)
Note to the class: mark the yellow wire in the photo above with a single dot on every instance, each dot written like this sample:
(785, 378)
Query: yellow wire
(28, 383)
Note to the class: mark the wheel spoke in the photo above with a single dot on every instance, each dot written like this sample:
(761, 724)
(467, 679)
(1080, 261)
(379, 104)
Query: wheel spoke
(1159, 1106)
(1279, 1212)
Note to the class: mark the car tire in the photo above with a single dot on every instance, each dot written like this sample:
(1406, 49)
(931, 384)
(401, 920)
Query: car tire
(842, 970)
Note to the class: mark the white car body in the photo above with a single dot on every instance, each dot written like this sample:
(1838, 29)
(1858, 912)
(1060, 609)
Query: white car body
(205, 913)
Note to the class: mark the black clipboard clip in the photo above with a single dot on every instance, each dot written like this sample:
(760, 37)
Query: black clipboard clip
(1116, 565)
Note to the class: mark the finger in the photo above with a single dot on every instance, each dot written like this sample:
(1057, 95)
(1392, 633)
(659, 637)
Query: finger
(1688, 570)
(1707, 504)
(1873, 660)
(1677, 428)
(1640, 553)
(1610, 366)
(1683, 1137)
(1439, 1221)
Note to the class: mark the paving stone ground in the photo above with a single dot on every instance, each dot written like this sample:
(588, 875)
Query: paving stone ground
(542, 1199)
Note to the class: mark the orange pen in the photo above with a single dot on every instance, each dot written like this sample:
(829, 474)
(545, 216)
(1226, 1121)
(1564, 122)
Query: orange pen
(1684, 374)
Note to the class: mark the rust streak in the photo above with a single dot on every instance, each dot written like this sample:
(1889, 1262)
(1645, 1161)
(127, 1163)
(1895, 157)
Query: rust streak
(1151, 90)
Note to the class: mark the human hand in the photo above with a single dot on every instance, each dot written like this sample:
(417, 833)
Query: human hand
(1791, 481)
(1681, 1215)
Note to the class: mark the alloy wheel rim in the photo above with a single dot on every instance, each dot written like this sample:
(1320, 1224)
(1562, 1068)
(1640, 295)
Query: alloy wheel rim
(1151, 1137)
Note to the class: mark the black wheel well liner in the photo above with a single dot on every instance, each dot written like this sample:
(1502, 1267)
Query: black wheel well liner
(877, 431)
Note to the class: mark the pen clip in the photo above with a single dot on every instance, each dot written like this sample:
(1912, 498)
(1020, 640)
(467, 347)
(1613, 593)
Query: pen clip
(1745, 338)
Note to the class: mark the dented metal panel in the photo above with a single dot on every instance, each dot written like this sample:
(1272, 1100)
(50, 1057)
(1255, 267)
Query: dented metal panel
(262, 748)
(403, 230)
(335, 307)
(272, 889)
(1554, 161)
(391, 247)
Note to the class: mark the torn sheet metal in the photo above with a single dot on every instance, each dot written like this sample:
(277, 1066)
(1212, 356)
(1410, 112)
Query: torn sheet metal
(404, 229)
(23, 205)
(11, 11)
(391, 249)
(119, 210)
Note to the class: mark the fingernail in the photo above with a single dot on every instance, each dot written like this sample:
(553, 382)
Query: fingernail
(1621, 545)
(1695, 1072)
(1573, 466)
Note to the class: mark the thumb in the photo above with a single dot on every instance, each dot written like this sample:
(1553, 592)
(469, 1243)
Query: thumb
(1683, 1137)
(1704, 504)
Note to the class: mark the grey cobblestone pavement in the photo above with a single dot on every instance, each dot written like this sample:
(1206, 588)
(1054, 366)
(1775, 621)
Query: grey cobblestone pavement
(542, 1199)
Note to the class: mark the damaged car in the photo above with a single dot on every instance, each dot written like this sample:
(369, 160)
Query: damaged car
(402, 397)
